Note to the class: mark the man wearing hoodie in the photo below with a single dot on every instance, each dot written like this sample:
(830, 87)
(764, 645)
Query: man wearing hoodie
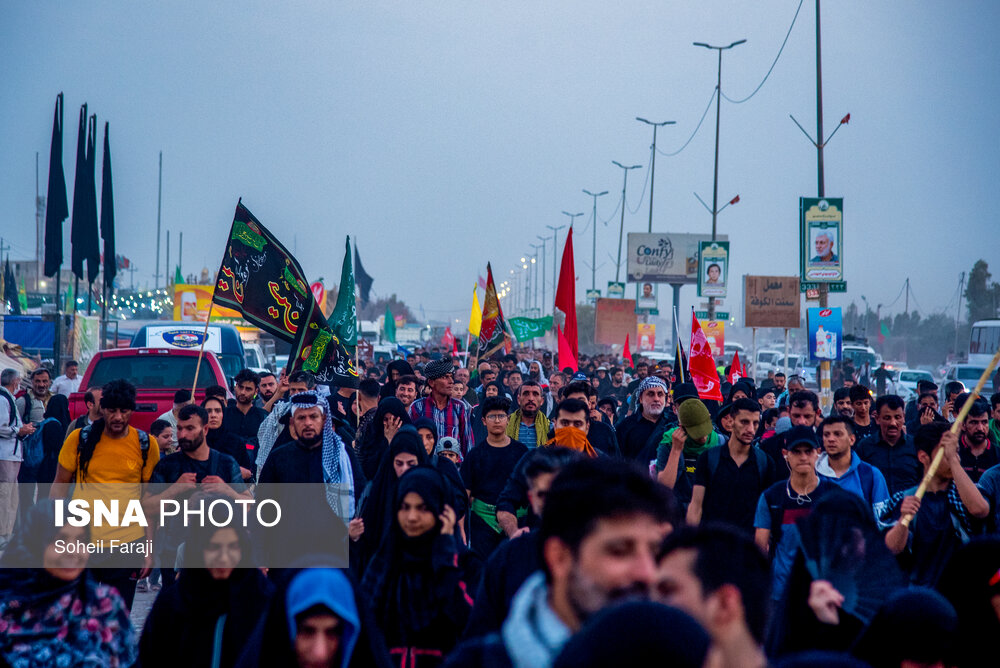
(838, 464)
(601, 529)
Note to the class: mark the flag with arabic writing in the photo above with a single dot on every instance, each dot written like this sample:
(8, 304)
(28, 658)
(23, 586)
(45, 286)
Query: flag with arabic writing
(265, 283)
(493, 335)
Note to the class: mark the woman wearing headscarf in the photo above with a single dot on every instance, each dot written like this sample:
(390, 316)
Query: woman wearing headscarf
(223, 441)
(57, 615)
(406, 451)
(207, 617)
(316, 618)
(393, 372)
(418, 584)
(389, 417)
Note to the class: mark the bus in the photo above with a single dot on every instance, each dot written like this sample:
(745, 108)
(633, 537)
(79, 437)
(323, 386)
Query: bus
(984, 341)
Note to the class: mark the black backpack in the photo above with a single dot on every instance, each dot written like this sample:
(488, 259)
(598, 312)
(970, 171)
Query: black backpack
(143, 446)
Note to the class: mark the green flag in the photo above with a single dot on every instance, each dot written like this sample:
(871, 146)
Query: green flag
(389, 326)
(178, 278)
(529, 328)
(22, 297)
(344, 319)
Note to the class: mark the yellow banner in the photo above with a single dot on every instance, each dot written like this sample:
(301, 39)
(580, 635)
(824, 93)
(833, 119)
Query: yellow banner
(191, 304)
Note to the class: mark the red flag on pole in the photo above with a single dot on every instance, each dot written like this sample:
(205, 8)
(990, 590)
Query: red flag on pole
(701, 365)
(627, 354)
(566, 356)
(448, 340)
(735, 369)
(566, 295)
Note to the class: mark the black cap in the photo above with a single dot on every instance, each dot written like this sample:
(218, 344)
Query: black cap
(800, 434)
(683, 391)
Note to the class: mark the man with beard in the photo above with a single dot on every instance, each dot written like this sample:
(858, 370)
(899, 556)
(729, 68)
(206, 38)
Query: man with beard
(977, 452)
(640, 433)
(450, 416)
(244, 419)
(176, 476)
(842, 404)
(528, 424)
(317, 455)
(601, 529)
(406, 389)
(267, 385)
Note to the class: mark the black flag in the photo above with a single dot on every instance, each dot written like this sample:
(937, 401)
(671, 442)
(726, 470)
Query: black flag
(90, 238)
(79, 189)
(361, 278)
(10, 290)
(108, 216)
(265, 283)
(56, 205)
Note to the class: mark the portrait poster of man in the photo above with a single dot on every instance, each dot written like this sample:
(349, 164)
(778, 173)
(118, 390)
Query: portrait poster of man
(821, 229)
(647, 296)
(713, 268)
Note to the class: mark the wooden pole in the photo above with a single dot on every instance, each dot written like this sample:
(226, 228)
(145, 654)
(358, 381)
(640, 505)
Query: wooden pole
(956, 426)
(201, 350)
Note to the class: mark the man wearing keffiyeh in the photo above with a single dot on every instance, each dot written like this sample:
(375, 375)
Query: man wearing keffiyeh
(317, 455)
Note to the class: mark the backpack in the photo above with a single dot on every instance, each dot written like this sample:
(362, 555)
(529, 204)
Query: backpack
(143, 446)
(715, 456)
(13, 409)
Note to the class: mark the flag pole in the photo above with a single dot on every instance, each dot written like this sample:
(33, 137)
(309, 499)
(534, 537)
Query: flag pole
(201, 350)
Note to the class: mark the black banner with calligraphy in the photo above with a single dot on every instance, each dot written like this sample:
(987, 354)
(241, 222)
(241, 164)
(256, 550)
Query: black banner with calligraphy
(264, 282)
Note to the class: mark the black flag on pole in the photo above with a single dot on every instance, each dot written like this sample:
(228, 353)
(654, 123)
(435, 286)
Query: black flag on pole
(79, 188)
(90, 236)
(56, 204)
(108, 216)
(361, 277)
(260, 279)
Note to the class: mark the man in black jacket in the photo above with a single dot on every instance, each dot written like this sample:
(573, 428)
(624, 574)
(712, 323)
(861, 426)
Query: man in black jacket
(890, 449)
(642, 431)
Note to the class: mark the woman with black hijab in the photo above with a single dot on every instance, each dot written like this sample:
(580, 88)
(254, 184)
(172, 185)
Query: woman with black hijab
(418, 583)
(53, 433)
(207, 616)
(56, 615)
(376, 505)
(226, 442)
(393, 372)
(389, 417)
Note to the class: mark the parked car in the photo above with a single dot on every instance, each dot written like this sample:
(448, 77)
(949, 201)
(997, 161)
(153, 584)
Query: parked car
(968, 375)
(906, 382)
(765, 363)
(223, 340)
(156, 373)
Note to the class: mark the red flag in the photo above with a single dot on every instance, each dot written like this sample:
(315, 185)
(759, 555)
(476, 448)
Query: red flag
(628, 353)
(448, 340)
(845, 120)
(566, 356)
(734, 200)
(566, 295)
(701, 365)
(454, 348)
(735, 369)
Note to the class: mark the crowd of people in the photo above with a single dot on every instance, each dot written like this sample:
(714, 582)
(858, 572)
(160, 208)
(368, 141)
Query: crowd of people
(510, 514)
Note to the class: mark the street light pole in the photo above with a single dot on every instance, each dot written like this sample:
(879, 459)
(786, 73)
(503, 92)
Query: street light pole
(534, 262)
(555, 248)
(652, 165)
(715, 183)
(593, 254)
(543, 240)
(621, 225)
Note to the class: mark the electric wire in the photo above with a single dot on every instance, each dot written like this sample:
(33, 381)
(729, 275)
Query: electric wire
(697, 127)
(771, 69)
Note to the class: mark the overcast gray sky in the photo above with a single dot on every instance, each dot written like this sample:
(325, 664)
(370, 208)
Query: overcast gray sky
(442, 135)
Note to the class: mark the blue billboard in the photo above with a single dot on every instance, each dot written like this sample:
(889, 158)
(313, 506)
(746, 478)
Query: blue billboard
(826, 333)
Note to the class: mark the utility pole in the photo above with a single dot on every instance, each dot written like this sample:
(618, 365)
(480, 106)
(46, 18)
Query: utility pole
(593, 254)
(958, 309)
(715, 181)
(543, 240)
(166, 269)
(180, 253)
(621, 224)
(39, 231)
(159, 204)
(906, 310)
(534, 262)
(652, 165)
(555, 262)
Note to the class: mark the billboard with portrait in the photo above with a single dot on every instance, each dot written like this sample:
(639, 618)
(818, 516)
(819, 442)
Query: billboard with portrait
(713, 268)
(664, 257)
(821, 239)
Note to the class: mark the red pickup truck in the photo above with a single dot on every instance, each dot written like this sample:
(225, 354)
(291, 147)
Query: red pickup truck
(156, 373)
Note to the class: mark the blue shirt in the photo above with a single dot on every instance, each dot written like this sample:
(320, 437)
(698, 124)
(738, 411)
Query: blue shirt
(526, 434)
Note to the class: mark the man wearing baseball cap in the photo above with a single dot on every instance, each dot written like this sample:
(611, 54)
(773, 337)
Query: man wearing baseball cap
(787, 500)
(450, 416)
(640, 433)
(678, 452)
